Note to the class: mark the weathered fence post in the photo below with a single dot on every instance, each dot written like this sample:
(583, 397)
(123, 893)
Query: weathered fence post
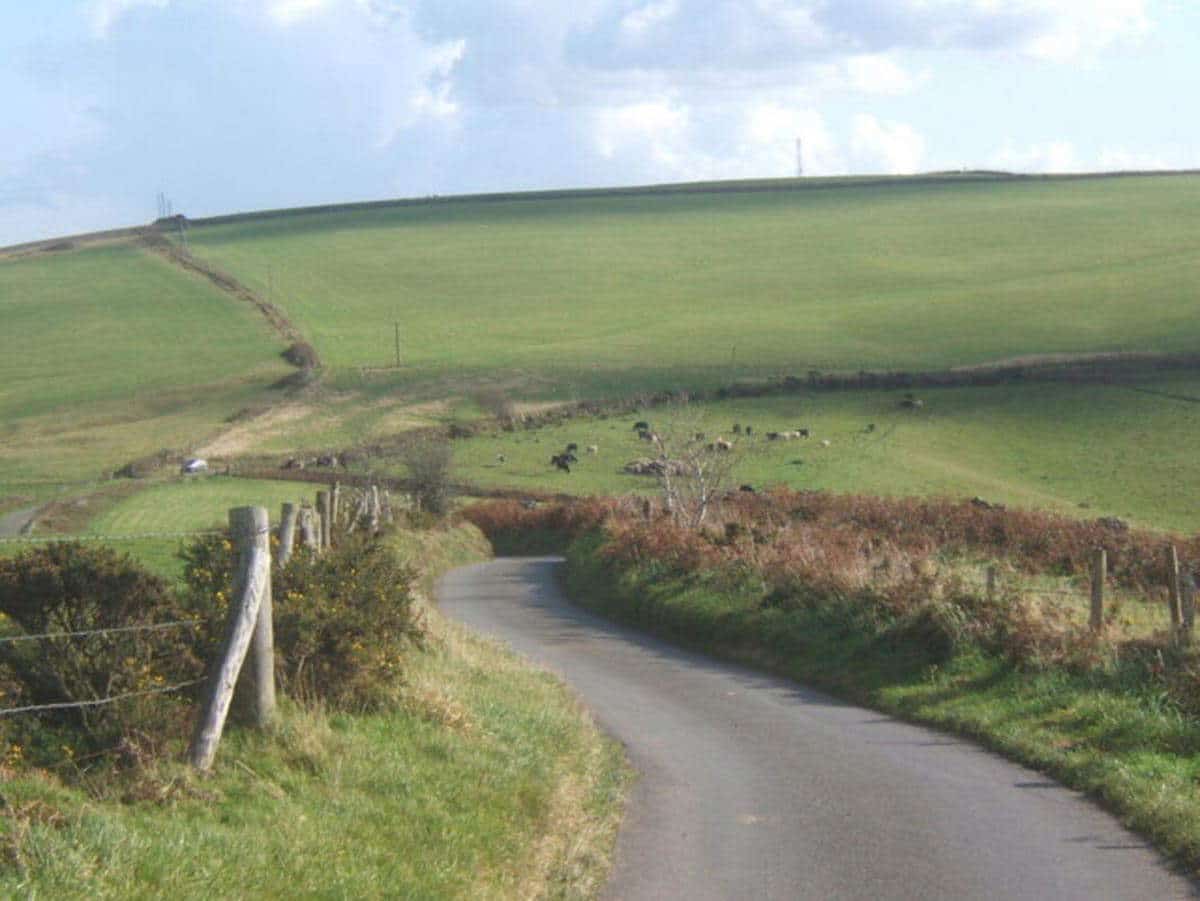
(1099, 575)
(335, 498)
(308, 532)
(374, 509)
(1174, 604)
(249, 526)
(1187, 591)
(323, 516)
(991, 583)
(287, 532)
(388, 516)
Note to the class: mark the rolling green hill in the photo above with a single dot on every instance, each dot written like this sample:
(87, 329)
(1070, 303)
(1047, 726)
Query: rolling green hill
(602, 295)
(110, 353)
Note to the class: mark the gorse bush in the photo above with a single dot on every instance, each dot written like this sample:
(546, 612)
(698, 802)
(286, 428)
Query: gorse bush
(342, 620)
(73, 587)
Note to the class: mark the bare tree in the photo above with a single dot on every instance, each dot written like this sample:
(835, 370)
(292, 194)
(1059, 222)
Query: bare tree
(428, 457)
(694, 469)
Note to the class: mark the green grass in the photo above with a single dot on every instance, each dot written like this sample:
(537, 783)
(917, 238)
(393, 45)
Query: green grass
(586, 296)
(1088, 450)
(108, 354)
(489, 783)
(1110, 732)
(187, 505)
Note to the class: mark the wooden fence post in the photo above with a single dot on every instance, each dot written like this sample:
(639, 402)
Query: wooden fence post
(308, 532)
(1174, 604)
(249, 526)
(991, 583)
(287, 532)
(1099, 575)
(323, 518)
(1187, 591)
(374, 509)
(335, 505)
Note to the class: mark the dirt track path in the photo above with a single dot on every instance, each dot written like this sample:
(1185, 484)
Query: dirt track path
(755, 788)
(11, 524)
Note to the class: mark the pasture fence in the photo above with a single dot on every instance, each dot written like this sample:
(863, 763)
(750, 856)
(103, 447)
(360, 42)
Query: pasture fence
(244, 668)
(1178, 580)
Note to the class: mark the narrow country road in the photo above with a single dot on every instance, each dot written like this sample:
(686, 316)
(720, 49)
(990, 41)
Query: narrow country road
(754, 788)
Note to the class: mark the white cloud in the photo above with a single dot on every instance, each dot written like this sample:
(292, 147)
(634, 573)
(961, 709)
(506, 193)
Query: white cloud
(891, 147)
(656, 130)
(1049, 156)
(289, 12)
(879, 74)
(1081, 28)
(105, 13)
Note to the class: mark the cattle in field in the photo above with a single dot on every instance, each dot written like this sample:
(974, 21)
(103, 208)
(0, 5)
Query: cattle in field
(561, 461)
(592, 449)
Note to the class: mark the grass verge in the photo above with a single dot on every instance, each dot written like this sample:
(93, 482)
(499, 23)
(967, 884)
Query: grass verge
(489, 782)
(1109, 732)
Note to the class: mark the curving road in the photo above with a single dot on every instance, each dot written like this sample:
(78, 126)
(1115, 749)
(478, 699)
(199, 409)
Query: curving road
(755, 788)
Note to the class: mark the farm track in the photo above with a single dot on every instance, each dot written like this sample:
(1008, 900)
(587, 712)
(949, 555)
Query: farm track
(15, 523)
(755, 787)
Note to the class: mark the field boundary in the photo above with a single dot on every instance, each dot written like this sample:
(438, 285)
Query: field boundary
(153, 240)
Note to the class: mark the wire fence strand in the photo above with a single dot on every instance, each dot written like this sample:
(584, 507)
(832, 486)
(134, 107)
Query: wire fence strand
(49, 539)
(153, 627)
(64, 705)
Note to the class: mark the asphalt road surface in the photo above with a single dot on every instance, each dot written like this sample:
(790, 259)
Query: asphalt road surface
(752, 787)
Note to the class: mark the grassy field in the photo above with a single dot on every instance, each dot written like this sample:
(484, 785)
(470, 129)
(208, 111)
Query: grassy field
(601, 296)
(109, 354)
(1088, 450)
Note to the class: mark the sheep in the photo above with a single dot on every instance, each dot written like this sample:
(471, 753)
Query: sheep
(825, 442)
(500, 458)
(802, 432)
(870, 427)
(722, 445)
(560, 461)
(572, 447)
(592, 449)
(737, 428)
(749, 489)
(647, 436)
(641, 426)
(774, 436)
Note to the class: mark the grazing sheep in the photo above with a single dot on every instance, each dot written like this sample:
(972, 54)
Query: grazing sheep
(825, 442)
(327, 460)
(572, 447)
(647, 436)
(774, 436)
(500, 458)
(560, 461)
(294, 463)
(641, 426)
(722, 444)
(592, 449)
(747, 488)
(802, 432)
(870, 427)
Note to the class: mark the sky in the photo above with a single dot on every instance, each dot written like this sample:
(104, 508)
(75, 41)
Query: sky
(233, 105)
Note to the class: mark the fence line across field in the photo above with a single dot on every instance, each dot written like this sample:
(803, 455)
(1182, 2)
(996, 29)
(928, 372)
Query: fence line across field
(50, 539)
(65, 705)
(151, 627)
